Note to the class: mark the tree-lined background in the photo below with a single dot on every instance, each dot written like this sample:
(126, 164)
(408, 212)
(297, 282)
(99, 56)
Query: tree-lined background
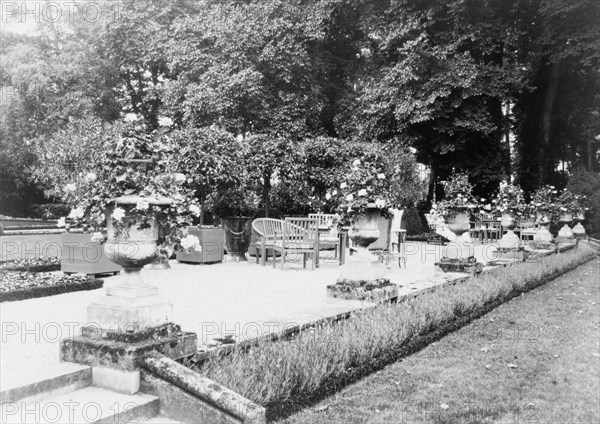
(495, 88)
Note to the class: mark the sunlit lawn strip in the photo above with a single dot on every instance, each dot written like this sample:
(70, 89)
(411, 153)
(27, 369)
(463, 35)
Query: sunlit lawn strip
(285, 374)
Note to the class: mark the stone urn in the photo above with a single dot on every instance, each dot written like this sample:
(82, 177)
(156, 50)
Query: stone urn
(458, 223)
(578, 229)
(509, 240)
(365, 230)
(131, 243)
(543, 233)
(363, 267)
(237, 237)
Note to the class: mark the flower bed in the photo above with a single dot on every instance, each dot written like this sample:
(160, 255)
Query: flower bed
(31, 264)
(287, 374)
(28, 285)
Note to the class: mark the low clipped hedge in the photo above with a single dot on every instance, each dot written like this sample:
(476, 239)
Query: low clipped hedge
(51, 290)
(286, 374)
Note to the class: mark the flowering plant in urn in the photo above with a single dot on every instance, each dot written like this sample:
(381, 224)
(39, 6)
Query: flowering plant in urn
(544, 200)
(510, 199)
(374, 178)
(458, 194)
(129, 160)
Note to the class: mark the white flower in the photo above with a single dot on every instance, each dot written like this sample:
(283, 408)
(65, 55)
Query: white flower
(327, 196)
(380, 203)
(118, 214)
(381, 176)
(195, 210)
(191, 242)
(488, 207)
(62, 222)
(90, 176)
(142, 205)
(356, 163)
(165, 122)
(334, 192)
(131, 117)
(97, 237)
(70, 187)
(179, 177)
(444, 406)
(350, 197)
(362, 192)
(343, 185)
(76, 213)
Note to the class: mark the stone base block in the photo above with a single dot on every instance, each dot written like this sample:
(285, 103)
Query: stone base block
(469, 265)
(124, 351)
(127, 382)
(129, 314)
(373, 291)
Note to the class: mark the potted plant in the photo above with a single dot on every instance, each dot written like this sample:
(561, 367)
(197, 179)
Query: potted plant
(568, 205)
(126, 192)
(544, 200)
(510, 203)
(457, 202)
(236, 207)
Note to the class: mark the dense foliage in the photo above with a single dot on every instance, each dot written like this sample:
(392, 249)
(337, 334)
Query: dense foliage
(494, 88)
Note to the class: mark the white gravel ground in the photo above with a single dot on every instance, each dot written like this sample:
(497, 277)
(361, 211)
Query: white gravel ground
(241, 299)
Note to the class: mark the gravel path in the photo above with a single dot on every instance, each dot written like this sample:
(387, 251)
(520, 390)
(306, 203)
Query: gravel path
(239, 299)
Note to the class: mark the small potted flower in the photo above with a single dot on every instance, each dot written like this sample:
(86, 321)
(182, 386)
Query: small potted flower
(457, 202)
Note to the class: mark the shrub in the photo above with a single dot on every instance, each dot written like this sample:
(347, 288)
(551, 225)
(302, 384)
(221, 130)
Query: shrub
(273, 373)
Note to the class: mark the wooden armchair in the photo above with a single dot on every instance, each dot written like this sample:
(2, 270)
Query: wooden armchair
(270, 232)
(300, 235)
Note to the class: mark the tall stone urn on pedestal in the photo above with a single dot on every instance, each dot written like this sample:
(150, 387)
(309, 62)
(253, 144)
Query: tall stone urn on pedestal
(458, 223)
(131, 319)
(363, 276)
(459, 256)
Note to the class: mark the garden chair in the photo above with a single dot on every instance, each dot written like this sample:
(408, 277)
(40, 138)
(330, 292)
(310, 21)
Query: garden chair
(434, 237)
(396, 240)
(328, 231)
(526, 231)
(270, 232)
(300, 235)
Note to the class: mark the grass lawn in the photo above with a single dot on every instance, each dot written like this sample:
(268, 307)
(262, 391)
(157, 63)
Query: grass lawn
(535, 359)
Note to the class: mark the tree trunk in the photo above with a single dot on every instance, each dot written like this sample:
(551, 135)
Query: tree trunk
(202, 200)
(547, 122)
(590, 155)
(265, 191)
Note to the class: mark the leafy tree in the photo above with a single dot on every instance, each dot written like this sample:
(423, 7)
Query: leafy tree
(211, 159)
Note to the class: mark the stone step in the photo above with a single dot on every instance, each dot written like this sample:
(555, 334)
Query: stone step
(38, 383)
(83, 406)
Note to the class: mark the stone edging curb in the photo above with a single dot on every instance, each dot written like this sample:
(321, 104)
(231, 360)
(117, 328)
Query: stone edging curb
(205, 389)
